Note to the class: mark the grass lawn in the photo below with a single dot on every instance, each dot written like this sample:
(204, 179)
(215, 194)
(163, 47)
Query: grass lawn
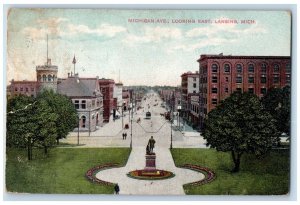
(62, 172)
(267, 176)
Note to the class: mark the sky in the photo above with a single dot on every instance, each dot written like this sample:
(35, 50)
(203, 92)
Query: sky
(106, 43)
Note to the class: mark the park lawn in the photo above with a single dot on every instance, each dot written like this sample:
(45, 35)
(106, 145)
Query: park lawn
(62, 171)
(267, 176)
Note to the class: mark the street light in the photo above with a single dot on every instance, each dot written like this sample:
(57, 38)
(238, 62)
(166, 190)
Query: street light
(131, 126)
(171, 121)
(78, 130)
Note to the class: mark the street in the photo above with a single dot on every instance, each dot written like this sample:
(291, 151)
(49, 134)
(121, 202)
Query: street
(160, 129)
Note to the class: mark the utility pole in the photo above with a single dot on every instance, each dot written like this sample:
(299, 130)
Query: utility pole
(78, 131)
(171, 119)
(131, 126)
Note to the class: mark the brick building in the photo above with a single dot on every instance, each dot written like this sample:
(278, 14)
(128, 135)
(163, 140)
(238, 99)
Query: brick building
(189, 84)
(220, 75)
(87, 99)
(107, 90)
(25, 87)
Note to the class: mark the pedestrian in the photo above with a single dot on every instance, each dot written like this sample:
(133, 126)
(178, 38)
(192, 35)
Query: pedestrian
(117, 189)
(125, 135)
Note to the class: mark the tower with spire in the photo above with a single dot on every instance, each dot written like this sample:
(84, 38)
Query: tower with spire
(47, 74)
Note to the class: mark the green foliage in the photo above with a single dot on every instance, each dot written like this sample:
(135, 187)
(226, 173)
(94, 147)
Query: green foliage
(240, 125)
(20, 126)
(39, 122)
(264, 176)
(277, 102)
(62, 172)
(61, 105)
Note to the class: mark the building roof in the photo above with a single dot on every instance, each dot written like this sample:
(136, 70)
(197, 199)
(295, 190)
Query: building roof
(189, 73)
(221, 56)
(79, 87)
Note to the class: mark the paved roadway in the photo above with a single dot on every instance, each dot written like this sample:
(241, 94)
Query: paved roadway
(110, 135)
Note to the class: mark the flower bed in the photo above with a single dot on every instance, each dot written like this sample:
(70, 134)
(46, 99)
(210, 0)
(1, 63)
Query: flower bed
(91, 173)
(209, 174)
(155, 174)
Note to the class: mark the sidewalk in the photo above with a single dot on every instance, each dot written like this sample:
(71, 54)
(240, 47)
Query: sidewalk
(110, 135)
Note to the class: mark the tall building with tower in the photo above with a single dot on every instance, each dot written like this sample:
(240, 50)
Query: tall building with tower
(84, 92)
(46, 75)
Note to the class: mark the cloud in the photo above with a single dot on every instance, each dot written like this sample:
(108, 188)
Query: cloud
(103, 30)
(52, 21)
(217, 34)
(55, 27)
(153, 35)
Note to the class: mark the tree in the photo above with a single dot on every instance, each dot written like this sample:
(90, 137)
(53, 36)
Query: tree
(21, 125)
(67, 116)
(240, 125)
(45, 118)
(277, 102)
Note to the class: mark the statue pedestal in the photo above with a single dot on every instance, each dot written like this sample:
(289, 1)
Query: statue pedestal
(150, 161)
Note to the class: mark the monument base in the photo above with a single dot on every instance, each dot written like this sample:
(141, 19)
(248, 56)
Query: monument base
(150, 161)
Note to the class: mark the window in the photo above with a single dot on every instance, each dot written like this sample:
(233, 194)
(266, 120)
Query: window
(263, 91)
(263, 79)
(26, 89)
(76, 104)
(16, 89)
(83, 104)
(93, 103)
(49, 78)
(276, 68)
(250, 79)
(214, 90)
(251, 90)
(32, 89)
(226, 90)
(263, 68)
(226, 68)
(288, 79)
(214, 79)
(239, 79)
(83, 121)
(239, 68)
(194, 91)
(288, 68)
(239, 90)
(194, 85)
(194, 79)
(226, 79)
(214, 68)
(250, 68)
(44, 78)
(21, 89)
(276, 79)
(39, 78)
(214, 101)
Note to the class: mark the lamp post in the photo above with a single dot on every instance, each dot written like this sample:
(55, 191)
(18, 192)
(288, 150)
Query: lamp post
(171, 120)
(131, 124)
(78, 131)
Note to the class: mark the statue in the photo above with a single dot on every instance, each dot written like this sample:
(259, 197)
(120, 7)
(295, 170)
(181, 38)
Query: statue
(148, 149)
(150, 145)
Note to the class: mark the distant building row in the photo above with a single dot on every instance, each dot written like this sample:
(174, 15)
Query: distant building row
(94, 98)
(220, 75)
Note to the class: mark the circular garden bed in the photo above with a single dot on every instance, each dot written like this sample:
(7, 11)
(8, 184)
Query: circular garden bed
(155, 174)
(208, 173)
(91, 173)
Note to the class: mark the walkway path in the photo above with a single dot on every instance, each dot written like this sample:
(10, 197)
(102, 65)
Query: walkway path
(159, 128)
